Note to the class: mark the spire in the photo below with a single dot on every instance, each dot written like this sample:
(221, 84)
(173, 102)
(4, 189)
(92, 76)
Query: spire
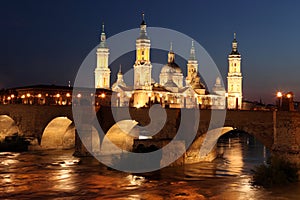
(171, 55)
(143, 17)
(103, 37)
(143, 32)
(171, 47)
(192, 52)
(120, 70)
(234, 45)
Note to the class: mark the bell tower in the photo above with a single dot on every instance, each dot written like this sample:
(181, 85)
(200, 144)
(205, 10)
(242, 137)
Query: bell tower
(142, 65)
(192, 65)
(234, 78)
(102, 71)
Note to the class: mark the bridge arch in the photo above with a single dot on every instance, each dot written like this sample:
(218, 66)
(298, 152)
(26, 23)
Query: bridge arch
(120, 137)
(8, 127)
(202, 148)
(59, 134)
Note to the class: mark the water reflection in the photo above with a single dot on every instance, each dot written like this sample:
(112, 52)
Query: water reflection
(59, 175)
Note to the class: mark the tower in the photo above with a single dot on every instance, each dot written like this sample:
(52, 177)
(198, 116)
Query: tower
(102, 71)
(142, 65)
(192, 65)
(234, 78)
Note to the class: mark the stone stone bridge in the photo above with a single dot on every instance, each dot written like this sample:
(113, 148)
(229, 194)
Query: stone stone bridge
(54, 123)
(278, 131)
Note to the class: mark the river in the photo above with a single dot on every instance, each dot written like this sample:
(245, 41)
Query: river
(59, 175)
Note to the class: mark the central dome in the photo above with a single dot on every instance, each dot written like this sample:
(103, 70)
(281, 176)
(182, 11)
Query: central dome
(171, 68)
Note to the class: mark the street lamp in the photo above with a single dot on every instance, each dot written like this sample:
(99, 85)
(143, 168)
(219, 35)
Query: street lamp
(279, 96)
(12, 98)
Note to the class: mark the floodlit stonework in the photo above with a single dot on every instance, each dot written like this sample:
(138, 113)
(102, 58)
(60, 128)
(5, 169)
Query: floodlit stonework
(173, 90)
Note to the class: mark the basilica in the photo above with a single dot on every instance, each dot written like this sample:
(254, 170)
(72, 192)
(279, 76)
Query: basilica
(173, 90)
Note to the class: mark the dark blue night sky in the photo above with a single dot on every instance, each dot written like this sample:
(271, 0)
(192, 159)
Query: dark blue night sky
(44, 42)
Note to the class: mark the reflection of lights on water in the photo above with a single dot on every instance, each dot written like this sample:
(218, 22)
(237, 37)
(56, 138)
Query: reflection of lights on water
(64, 176)
(234, 155)
(134, 197)
(8, 162)
(64, 179)
(265, 154)
(67, 163)
(135, 180)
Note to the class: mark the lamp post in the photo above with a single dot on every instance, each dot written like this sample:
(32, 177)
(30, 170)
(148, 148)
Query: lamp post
(28, 98)
(184, 101)
(12, 96)
(279, 96)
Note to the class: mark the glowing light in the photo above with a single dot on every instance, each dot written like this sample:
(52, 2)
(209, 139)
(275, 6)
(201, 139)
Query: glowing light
(184, 95)
(57, 95)
(23, 96)
(279, 94)
(236, 95)
(8, 98)
(288, 95)
(39, 95)
(79, 95)
(118, 94)
(68, 95)
(12, 96)
(149, 94)
(102, 95)
(142, 137)
(226, 94)
(160, 95)
(28, 94)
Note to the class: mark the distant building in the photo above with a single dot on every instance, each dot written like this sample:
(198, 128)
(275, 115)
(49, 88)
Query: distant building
(234, 78)
(173, 89)
(102, 71)
(54, 95)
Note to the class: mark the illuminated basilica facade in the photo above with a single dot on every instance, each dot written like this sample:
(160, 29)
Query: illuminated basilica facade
(173, 90)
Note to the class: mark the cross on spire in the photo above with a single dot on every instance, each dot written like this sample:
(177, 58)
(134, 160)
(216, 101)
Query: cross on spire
(143, 17)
